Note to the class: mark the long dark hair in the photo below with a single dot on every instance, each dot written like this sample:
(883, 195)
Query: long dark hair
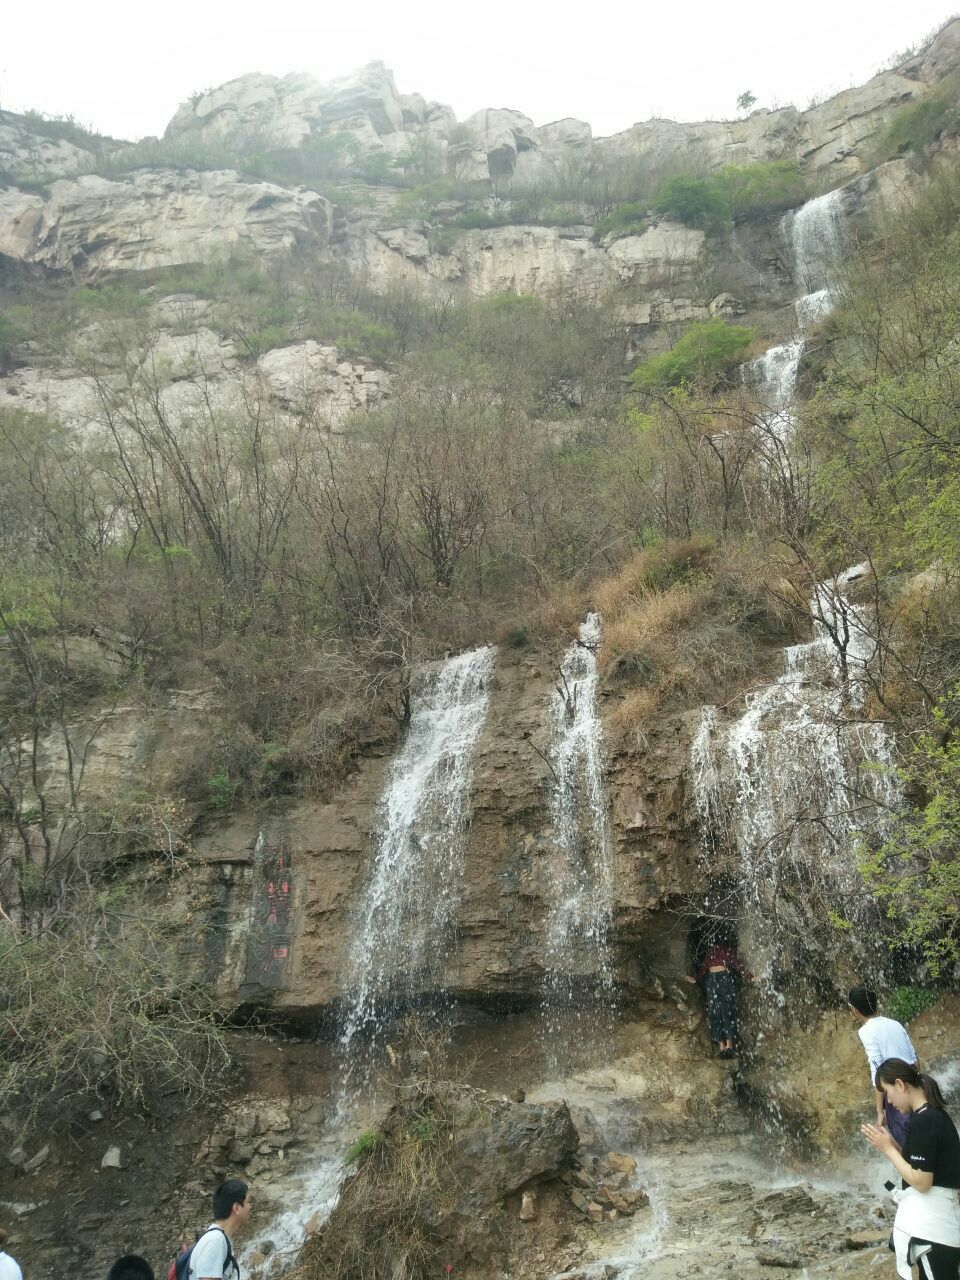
(896, 1069)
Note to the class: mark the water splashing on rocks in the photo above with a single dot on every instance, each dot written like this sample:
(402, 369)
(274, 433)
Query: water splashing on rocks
(405, 921)
(577, 960)
(790, 786)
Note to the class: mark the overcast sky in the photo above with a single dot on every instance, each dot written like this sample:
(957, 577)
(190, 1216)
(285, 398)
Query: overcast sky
(124, 67)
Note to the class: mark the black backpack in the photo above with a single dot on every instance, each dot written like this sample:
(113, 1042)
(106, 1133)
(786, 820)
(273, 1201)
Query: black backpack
(180, 1270)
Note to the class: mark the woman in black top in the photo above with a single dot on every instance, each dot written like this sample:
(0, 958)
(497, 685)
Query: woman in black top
(928, 1207)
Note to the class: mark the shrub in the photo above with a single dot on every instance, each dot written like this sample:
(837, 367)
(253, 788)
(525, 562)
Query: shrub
(64, 128)
(732, 194)
(88, 1009)
(259, 341)
(905, 1003)
(220, 789)
(917, 124)
(915, 873)
(366, 1141)
(625, 220)
(10, 335)
(696, 201)
(515, 637)
(751, 190)
(707, 350)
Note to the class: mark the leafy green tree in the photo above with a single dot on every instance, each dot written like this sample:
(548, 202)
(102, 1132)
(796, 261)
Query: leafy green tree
(705, 352)
(745, 100)
(915, 872)
(755, 189)
(695, 201)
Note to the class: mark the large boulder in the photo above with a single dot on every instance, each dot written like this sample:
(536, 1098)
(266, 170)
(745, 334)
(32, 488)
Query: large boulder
(286, 111)
(502, 135)
(435, 1181)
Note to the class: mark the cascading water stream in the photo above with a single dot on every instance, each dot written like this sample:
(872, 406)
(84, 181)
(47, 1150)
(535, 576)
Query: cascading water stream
(816, 236)
(577, 963)
(797, 778)
(402, 929)
(404, 925)
(802, 773)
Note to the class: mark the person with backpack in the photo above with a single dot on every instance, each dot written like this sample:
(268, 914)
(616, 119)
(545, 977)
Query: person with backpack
(8, 1266)
(211, 1258)
(130, 1267)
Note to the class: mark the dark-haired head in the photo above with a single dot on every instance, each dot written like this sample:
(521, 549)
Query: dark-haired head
(894, 1069)
(3, 1238)
(130, 1267)
(229, 1193)
(864, 1001)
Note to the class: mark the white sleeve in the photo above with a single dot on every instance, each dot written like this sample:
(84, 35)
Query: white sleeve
(209, 1256)
(874, 1055)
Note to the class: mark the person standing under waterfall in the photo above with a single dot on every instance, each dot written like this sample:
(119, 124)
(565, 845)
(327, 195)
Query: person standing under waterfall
(716, 971)
(882, 1038)
(927, 1226)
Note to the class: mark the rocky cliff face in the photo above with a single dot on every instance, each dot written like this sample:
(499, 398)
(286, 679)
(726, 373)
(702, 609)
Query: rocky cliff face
(92, 225)
(321, 851)
(831, 140)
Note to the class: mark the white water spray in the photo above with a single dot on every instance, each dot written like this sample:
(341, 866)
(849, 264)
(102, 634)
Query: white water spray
(404, 925)
(581, 887)
(403, 928)
(816, 235)
(790, 786)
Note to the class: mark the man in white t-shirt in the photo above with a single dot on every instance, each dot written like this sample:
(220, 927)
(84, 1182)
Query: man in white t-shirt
(211, 1258)
(8, 1267)
(882, 1038)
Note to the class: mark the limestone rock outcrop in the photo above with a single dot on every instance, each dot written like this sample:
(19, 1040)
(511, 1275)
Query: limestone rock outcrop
(326, 848)
(312, 378)
(831, 140)
(25, 152)
(199, 371)
(91, 225)
(834, 137)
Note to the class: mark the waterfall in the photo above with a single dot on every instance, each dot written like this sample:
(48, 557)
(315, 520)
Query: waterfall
(402, 928)
(816, 233)
(581, 873)
(784, 792)
(788, 787)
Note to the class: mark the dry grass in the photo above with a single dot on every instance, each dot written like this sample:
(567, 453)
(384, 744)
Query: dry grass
(388, 1222)
(651, 569)
(652, 618)
(636, 710)
(690, 622)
